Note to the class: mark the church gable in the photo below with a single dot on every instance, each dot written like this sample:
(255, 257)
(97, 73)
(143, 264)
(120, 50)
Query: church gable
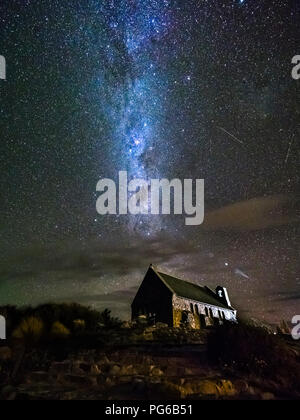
(153, 299)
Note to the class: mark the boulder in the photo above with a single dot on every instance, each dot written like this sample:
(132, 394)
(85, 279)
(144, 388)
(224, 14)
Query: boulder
(148, 336)
(114, 370)
(95, 370)
(161, 325)
(128, 370)
(109, 382)
(155, 371)
(267, 396)
(126, 325)
(103, 360)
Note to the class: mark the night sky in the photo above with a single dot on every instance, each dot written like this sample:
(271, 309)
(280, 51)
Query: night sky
(163, 89)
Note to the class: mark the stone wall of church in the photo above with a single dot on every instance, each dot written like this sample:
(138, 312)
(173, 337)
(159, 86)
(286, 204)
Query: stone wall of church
(198, 315)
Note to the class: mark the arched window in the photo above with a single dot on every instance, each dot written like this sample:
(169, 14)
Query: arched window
(184, 318)
(197, 309)
(211, 313)
(206, 312)
(192, 308)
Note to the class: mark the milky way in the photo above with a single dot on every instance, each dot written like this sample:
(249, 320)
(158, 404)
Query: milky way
(162, 89)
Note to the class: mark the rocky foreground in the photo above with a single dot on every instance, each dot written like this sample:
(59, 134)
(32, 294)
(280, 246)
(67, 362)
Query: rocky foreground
(135, 374)
(140, 371)
(70, 352)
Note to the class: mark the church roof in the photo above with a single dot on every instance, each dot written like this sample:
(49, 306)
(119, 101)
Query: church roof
(191, 291)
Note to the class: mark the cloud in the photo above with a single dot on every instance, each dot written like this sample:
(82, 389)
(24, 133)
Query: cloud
(122, 297)
(93, 260)
(256, 214)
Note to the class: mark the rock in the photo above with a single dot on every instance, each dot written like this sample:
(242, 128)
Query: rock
(188, 372)
(251, 390)
(103, 360)
(5, 354)
(155, 371)
(148, 336)
(70, 396)
(128, 370)
(125, 379)
(149, 330)
(126, 325)
(114, 370)
(161, 325)
(267, 396)
(109, 382)
(95, 370)
(76, 370)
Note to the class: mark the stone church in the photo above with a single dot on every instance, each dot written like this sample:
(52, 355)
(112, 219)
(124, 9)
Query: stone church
(175, 302)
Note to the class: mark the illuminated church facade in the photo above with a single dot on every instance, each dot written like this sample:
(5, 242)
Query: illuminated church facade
(177, 303)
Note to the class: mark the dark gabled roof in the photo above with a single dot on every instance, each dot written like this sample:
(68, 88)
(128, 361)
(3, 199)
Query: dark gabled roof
(191, 291)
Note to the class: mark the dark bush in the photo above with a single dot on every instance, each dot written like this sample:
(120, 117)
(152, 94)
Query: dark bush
(64, 314)
(251, 349)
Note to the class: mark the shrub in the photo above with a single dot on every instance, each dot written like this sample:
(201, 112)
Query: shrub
(252, 349)
(59, 330)
(30, 330)
(87, 320)
(107, 321)
(66, 313)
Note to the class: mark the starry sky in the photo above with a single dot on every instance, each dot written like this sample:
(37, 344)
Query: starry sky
(161, 89)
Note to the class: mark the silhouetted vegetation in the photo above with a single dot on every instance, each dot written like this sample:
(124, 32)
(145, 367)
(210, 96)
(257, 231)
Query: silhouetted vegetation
(29, 331)
(253, 350)
(55, 322)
